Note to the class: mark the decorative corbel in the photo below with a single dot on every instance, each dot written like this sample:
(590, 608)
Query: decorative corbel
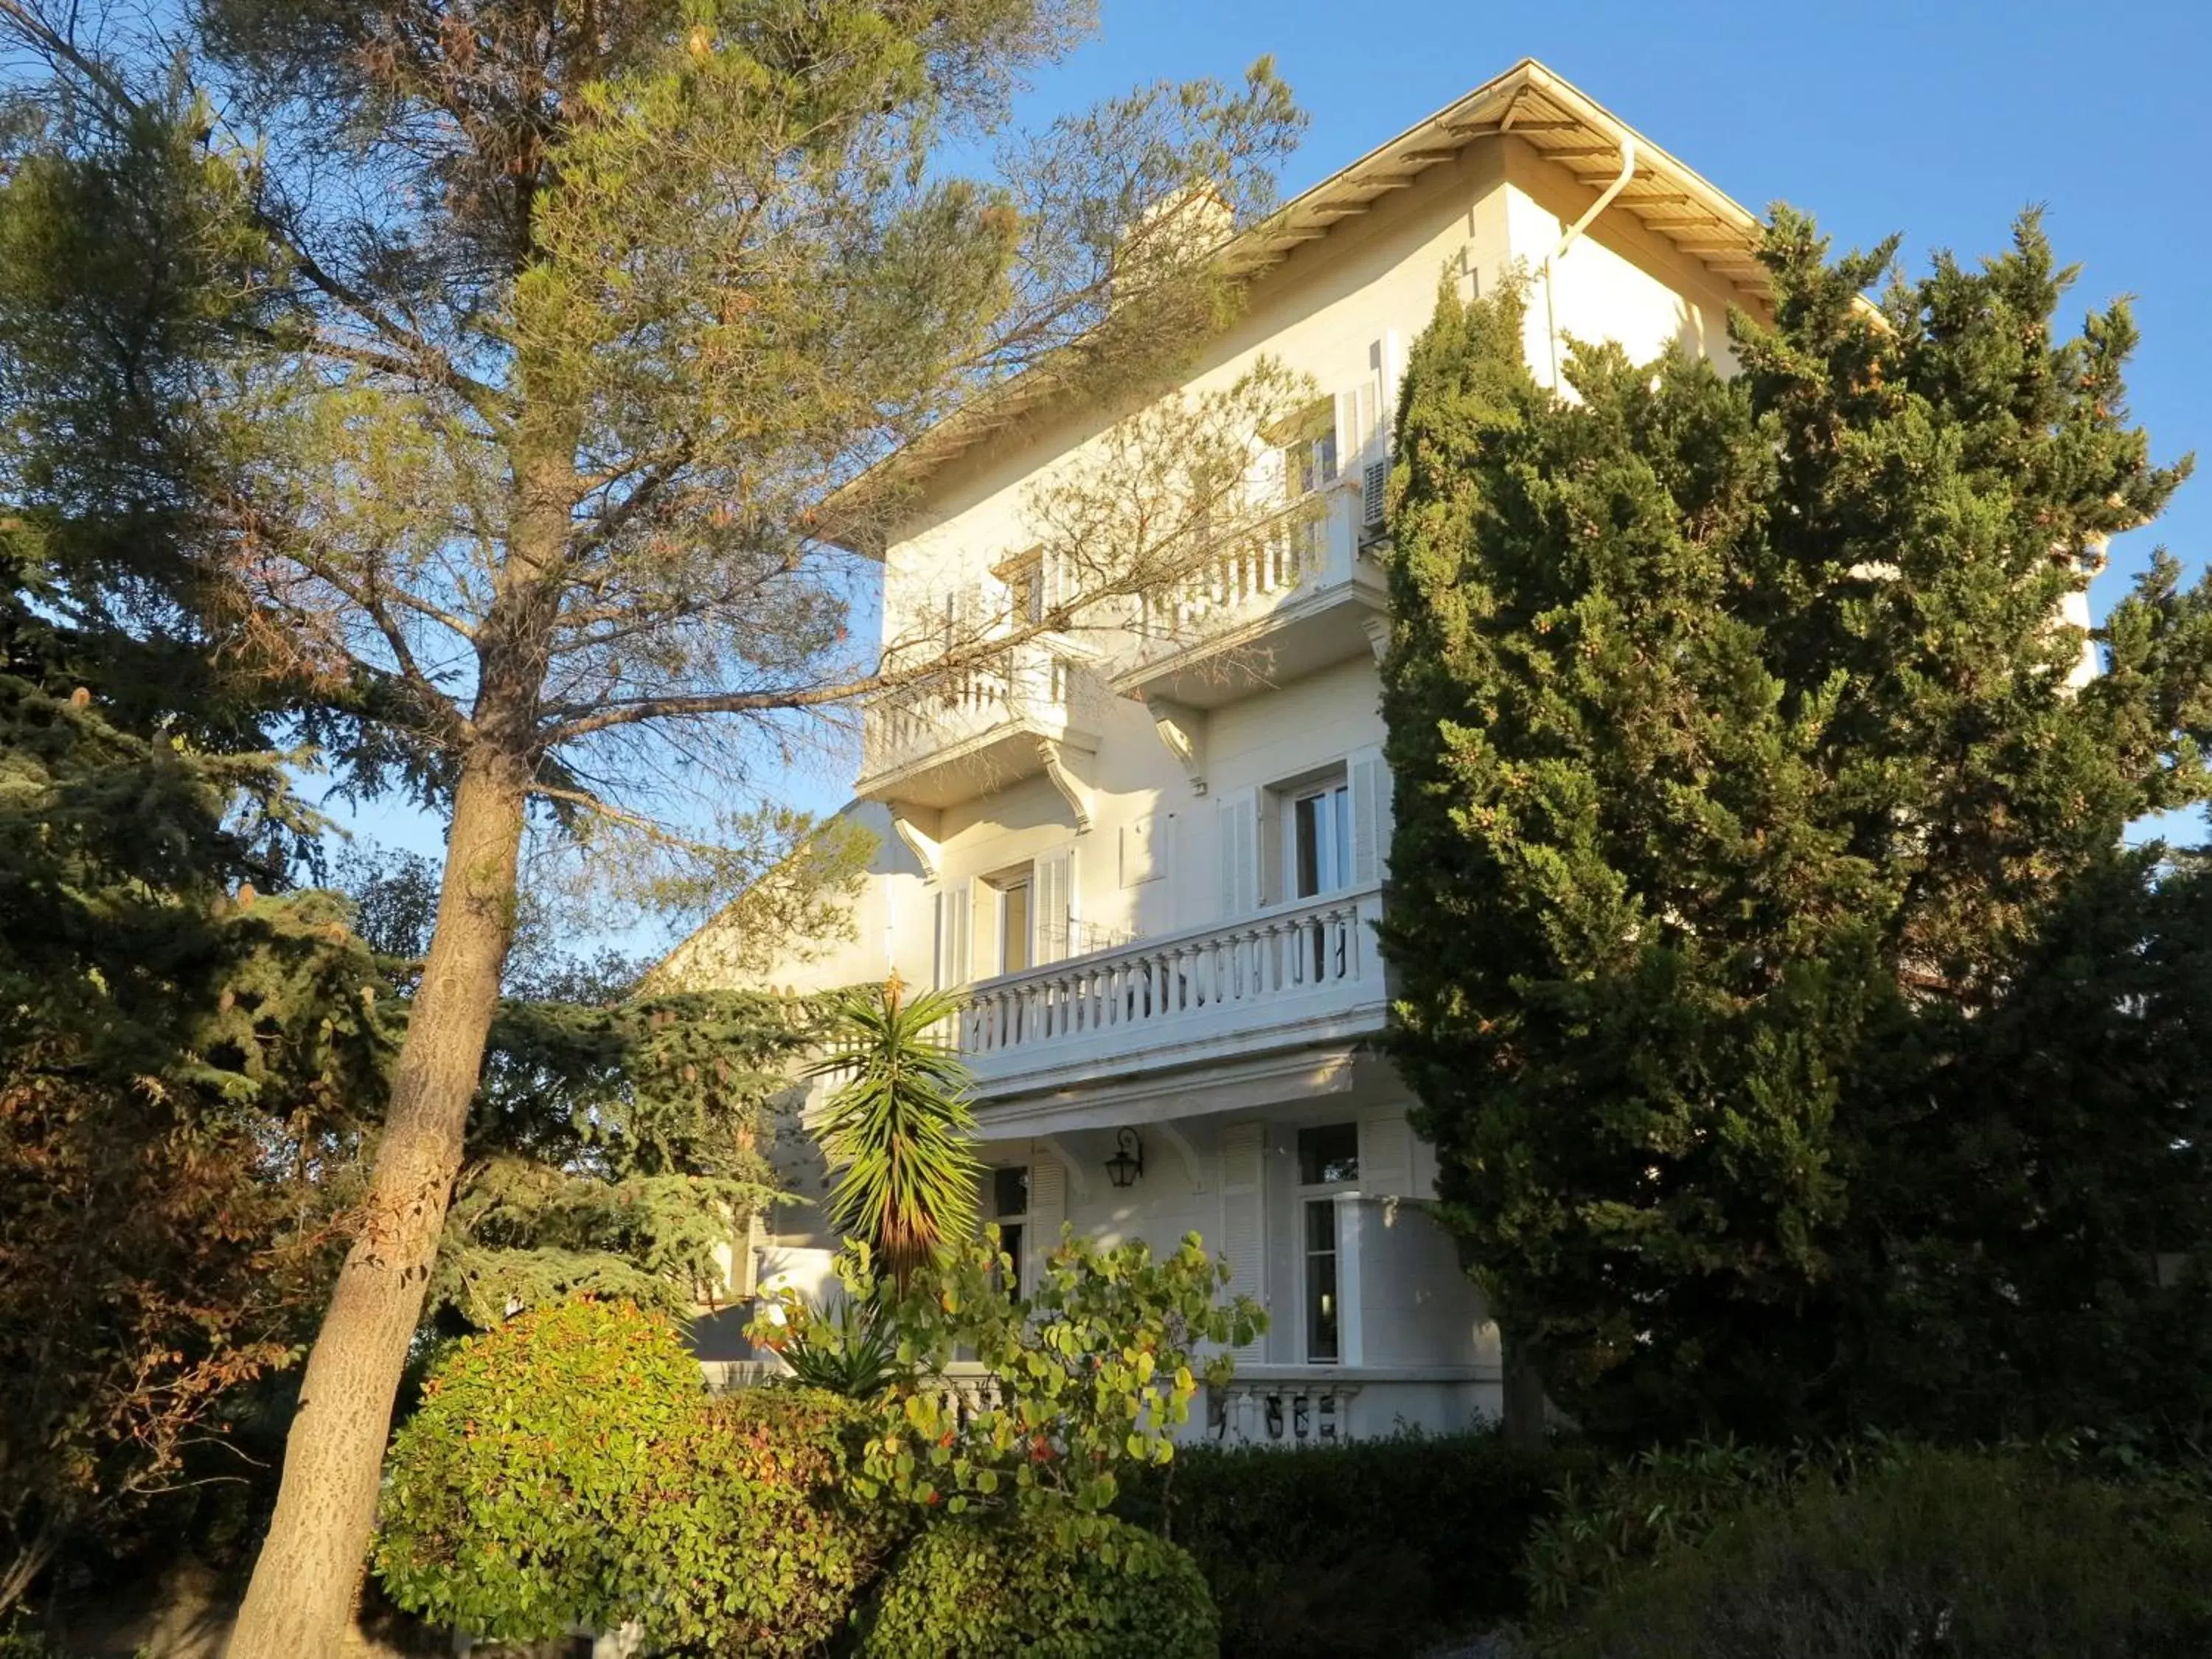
(1180, 1144)
(1378, 635)
(1071, 789)
(1182, 734)
(922, 843)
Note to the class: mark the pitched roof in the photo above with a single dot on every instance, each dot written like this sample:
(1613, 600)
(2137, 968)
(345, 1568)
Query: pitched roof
(1554, 118)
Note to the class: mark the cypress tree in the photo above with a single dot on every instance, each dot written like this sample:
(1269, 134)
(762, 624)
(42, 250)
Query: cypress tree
(1742, 773)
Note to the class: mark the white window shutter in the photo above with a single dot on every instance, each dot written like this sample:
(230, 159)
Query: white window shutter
(1054, 926)
(1386, 1158)
(1370, 817)
(1239, 825)
(1243, 1237)
(954, 963)
(1048, 1211)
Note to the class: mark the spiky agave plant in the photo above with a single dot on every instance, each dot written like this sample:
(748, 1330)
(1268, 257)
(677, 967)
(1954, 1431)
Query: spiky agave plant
(897, 1130)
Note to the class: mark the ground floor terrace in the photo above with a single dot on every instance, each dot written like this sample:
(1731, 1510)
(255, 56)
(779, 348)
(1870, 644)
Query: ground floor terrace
(1300, 1170)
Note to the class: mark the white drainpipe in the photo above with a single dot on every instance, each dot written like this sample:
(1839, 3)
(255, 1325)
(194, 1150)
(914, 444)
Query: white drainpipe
(1573, 235)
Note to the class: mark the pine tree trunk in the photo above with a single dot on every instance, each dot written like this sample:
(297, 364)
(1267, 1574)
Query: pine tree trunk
(1525, 1423)
(302, 1596)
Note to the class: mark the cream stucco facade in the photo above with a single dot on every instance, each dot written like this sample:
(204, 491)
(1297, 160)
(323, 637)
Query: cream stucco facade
(1156, 860)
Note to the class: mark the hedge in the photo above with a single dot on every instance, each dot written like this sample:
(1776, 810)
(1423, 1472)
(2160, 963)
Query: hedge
(1369, 1548)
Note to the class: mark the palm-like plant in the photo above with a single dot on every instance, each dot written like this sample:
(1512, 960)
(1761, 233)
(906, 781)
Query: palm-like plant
(897, 1130)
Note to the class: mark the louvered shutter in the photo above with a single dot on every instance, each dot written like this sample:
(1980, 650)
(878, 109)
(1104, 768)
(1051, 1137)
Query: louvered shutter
(1238, 822)
(1370, 817)
(953, 960)
(1048, 1211)
(1055, 920)
(1243, 1239)
(1379, 398)
(1386, 1158)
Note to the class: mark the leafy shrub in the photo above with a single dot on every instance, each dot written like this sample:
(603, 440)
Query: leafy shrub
(756, 1545)
(1369, 1547)
(1606, 1527)
(570, 1469)
(1950, 1555)
(1089, 1378)
(513, 1494)
(971, 1589)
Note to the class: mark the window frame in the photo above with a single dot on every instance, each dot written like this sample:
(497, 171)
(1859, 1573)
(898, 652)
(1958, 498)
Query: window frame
(1307, 1195)
(1018, 1220)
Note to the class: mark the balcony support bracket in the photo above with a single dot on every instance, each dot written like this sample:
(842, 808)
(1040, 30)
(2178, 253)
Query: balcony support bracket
(1072, 790)
(922, 843)
(1180, 1144)
(1378, 635)
(1182, 734)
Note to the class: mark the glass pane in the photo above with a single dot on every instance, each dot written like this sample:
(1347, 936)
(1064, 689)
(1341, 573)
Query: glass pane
(1339, 800)
(1010, 1192)
(1320, 1225)
(1014, 927)
(1010, 1241)
(1325, 453)
(1305, 842)
(1321, 1282)
(1328, 1155)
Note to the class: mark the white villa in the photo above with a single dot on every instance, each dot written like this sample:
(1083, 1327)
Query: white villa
(1157, 865)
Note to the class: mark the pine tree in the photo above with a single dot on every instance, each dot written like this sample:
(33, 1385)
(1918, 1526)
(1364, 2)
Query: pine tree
(558, 347)
(1740, 773)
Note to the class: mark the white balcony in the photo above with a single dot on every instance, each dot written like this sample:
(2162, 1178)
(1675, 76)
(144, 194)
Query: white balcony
(1293, 596)
(959, 734)
(1292, 976)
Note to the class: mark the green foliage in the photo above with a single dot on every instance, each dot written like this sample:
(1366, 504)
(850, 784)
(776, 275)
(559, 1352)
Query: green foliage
(1371, 1549)
(1956, 1555)
(186, 1070)
(1090, 1375)
(1741, 790)
(847, 1344)
(1662, 1498)
(569, 1468)
(969, 1588)
(514, 1495)
(615, 1149)
(754, 1543)
(896, 1132)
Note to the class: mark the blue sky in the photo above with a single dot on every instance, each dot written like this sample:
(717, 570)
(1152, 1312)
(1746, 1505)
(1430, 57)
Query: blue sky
(1939, 121)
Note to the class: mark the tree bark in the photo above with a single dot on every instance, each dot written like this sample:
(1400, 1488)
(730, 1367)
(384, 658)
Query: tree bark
(1525, 1416)
(301, 1596)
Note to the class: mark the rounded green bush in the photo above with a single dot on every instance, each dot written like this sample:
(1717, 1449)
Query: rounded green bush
(755, 1545)
(977, 1590)
(513, 1496)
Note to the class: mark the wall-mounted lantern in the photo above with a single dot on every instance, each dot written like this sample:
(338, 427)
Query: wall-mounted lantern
(1127, 1163)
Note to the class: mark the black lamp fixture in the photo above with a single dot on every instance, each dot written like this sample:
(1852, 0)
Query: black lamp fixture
(1128, 1161)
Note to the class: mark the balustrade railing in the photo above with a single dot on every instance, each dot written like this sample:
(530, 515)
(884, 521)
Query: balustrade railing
(1269, 957)
(1024, 683)
(1237, 579)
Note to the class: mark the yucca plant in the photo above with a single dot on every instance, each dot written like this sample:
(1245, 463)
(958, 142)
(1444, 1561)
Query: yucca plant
(897, 1130)
(846, 1344)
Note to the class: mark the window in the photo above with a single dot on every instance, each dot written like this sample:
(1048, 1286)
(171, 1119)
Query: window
(1015, 923)
(1309, 448)
(1328, 1160)
(1317, 846)
(1010, 1208)
(1329, 1155)
(1324, 1341)
(1024, 581)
